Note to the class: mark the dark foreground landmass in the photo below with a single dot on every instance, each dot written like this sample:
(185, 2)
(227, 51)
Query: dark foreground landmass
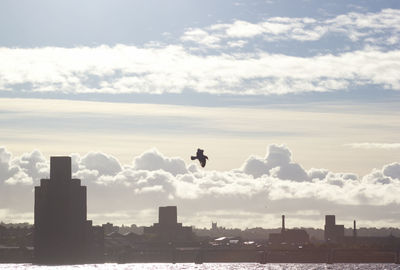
(231, 255)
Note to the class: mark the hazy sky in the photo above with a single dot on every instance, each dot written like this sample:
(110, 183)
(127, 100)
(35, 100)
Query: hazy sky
(296, 103)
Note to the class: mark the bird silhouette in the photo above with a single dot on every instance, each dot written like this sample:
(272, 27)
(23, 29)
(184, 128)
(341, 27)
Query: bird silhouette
(200, 156)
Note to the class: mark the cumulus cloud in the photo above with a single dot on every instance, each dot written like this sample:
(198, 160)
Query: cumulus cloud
(19, 178)
(6, 169)
(277, 163)
(153, 160)
(104, 164)
(12, 174)
(33, 164)
(153, 179)
(392, 170)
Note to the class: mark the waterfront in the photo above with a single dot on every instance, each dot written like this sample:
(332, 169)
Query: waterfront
(208, 266)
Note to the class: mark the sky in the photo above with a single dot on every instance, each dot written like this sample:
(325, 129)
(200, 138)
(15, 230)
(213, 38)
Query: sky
(296, 104)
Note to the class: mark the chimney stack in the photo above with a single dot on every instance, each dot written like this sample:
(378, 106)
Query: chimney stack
(354, 229)
(283, 223)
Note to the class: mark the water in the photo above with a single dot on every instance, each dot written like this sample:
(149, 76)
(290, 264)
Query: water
(207, 266)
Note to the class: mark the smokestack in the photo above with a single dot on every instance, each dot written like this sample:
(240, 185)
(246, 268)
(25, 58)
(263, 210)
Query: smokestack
(283, 223)
(354, 229)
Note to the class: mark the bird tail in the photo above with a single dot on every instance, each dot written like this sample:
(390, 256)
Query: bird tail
(193, 158)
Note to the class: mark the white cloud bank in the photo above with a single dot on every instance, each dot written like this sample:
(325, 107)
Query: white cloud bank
(275, 181)
(178, 68)
(172, 69)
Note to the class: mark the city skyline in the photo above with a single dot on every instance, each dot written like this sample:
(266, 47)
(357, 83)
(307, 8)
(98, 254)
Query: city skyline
(152, 173)
(295, 104)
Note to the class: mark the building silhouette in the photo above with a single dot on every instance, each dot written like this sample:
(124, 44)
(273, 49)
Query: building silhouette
(289, 236)
(168, 230)
(333, 233)
(214, 226)
(109, 228)
(62, 233)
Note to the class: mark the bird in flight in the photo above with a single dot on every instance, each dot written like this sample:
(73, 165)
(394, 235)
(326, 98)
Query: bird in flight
(200, 156)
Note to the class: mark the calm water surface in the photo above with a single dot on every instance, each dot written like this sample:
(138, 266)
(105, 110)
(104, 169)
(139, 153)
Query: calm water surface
(208, 266)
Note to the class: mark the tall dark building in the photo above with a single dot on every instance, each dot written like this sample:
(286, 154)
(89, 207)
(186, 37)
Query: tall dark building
(167, 216)
(333, 233)
(63, 235)
(168, 229)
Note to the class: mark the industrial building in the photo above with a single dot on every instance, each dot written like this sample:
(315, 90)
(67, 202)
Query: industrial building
(296, 237)
(333, 233)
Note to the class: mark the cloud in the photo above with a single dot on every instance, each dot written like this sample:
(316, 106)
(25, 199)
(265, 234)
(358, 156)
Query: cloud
(153, 160)
(200, 36)
(103, 163)
(371, 28)
(10, 172)
(320, 174)
(33, 164)
(392, 170)
(364, 25)
(6, 169)
(273, 29)
(152, 180)
(277, 163)
(19, 178)
(126, 69)
(237, 43)
(386, 146)
(234, 65)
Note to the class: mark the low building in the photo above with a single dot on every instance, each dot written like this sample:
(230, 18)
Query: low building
(109, 228)
(168, 230)
(380, 242)
(227, 241)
